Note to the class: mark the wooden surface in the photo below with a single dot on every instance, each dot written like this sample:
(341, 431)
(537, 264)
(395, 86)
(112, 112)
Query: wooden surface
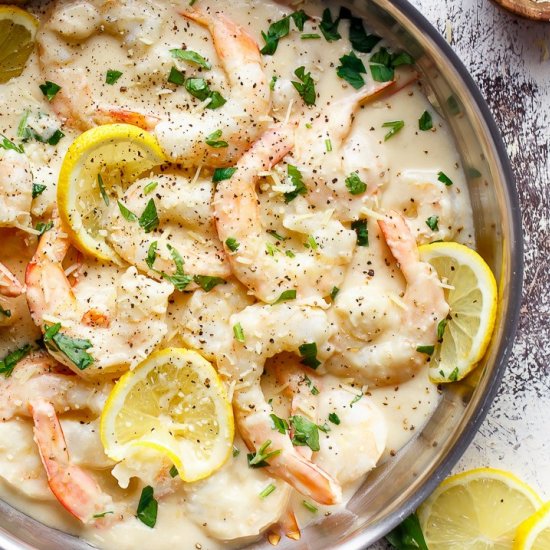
(510, 60)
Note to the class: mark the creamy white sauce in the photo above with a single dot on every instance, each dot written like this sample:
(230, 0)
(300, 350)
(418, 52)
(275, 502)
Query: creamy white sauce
(390, 167)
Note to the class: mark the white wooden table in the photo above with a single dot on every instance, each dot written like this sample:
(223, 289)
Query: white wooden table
(510, 60)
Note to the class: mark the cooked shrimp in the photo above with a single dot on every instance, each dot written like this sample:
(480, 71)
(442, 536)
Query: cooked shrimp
(353, 442)
(268, 330)
(15, 190)
(125, 324)
(76, 490)
(427, 205)
(10, 287)
(185, 223)
(265, 272)
(391, 355)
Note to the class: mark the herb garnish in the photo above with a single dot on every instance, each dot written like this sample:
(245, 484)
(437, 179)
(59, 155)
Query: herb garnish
(102, 514)
(207, 282)
(360, 40)
(148, 507)
(280, 29)
(453, 377)
(306, 88)
(151, 254)
(276, 235)
(383, 63)
(5, 312)
(432, 223)
(149, 219)
(279, 424)
(306, 433)
(395, 126)
(425, 122)
(311, 507)
(362, 231)
(260, 457)
(8, 363)
(310, 36)
(176, 77)
(150, 187)
(37, 189)
(267, 491)
(272, 82)
(296, 179)
(236, 451)
(199, 88)
(73, 348)
(350, 69)
(238, 333)
(355, 399)
(355, 185)
(232, 244)
(180, 280)
(221, 174)
(428, 350)
(42, 227)
(333, 293)
(112, 76)
(214, 141)
(443, 178)
(441, 329)
(102, 192)
(49, 89)
(173, 471)
(408, 535)
(329, 26)
(128, 215)
(191, 57)
(8, 144)
(285, 296)
(308, 352)
(314, 390)
(334, 418)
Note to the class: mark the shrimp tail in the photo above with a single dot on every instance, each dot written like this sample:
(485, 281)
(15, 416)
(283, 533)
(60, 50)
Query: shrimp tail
(287, 526)
(76, 491)
(400, 240)
(10, 287)
(109, 115)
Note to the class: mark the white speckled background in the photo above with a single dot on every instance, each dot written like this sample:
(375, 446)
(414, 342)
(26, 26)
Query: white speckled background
(510, 60)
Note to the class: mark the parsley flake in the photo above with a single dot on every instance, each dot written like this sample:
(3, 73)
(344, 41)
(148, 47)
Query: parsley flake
(329, 26)
(179, 279)
(443, 178)
(362, 231)
(260, 457)
(238, 333)
(350, 69)
(306, 433)
(112, 76)
(428, 350)
(191, 57)
(176, 77)
(279, 424)
(453, 377)
(207, 282)
(199, 88)
(355, 185)
(214, 142)
(441, 329)
(267, 491)
(148, 507)
(173, 471)
(395, 126)
(425, 122)
(308, 353)
(37, 189)
(334, 418)
(296, 179)
(151, 254)
(285, 297)
(73, 348)
(221, 174)
(150, 187)
(128, 215)
(432, 222)
(232, 244)
(9, 362)
(102, 192)
(49, 89)
(306, 88)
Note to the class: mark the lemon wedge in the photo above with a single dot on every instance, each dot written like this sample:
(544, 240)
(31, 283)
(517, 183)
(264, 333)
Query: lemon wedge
(18, 30)
(477, 510)
(534, 532)
(99, 165)
(174, 403)
(472, 298)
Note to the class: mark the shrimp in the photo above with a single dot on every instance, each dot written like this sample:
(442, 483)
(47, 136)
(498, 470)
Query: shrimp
(185, 223)
(263, 269)
(10, 287)
(391, 354)
(352, 439)
(424, 200)
(15, 190)
(127, 321)
(267, 331)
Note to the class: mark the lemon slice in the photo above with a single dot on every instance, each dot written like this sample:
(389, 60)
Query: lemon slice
(473, 305)
(18, 30)
(99, 165)
(534, 532)
(174, 403)
(476, 510)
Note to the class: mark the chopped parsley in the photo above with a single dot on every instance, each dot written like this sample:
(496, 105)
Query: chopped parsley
(221, 174)
(285, 297)
(149, 219)
(199, 88)
(271, 249)
(28, 133)
(425, 122)
(306, 88)
(37, 189)
(280, 29)
(279, 424)
(176, 77)
(207, 283)
(180, 280)
(232, 244)
(334, 418)
(276, 235)
(267, 491)
(314, 390)
(8, 363)
(260, 457)
(407, 535)
(306, 433)
(236, 452)
(102, 192)
(49, 89)
(148, 507)
(290, 254)
(128, 215)
(5, 312)
(296, 179)
(150, 187)
(334, 292)
(310, 36)
(73, 348)
(382, 64)
(191, 57)
(112, 76)
(272, 82)
(453, 377)
(443, 178)
(151, 254)
(355, 399)
(362, 231)
(453, 105)
(308, 353)
(329, 26)
(8, 144)
(441, 329)
(214, 141)
(355, 185)
(432, 222)
(102, 514)
(311, 243)
(42, 227)
(402, 58)
(394, 126)
(428, 350)
(309, 506)
(350, 69)
(360, 40)
(238, 333)
(173, 471)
